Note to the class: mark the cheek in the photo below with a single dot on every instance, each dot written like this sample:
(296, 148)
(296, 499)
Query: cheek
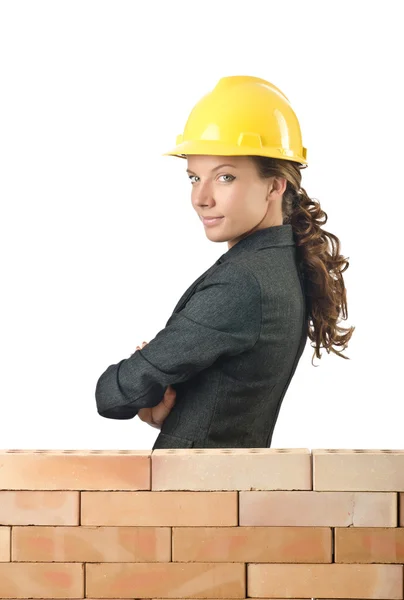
(237, 201)
(229, 199)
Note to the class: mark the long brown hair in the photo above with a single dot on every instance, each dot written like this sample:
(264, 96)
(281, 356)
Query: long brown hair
(318, 255)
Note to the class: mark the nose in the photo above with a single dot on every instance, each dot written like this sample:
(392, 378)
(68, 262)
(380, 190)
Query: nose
(202, 196)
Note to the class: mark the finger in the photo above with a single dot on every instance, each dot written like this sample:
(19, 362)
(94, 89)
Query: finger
(169, 401)
(163, 409)
(144, 414)
(160, 413)
(170, 394)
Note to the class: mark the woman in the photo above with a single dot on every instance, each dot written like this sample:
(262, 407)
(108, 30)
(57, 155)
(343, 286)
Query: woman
(216, 375)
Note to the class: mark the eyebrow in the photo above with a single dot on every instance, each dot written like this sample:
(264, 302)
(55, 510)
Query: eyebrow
(215, 169)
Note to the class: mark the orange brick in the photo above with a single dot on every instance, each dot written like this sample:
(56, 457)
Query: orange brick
(358, 470)
(75, 469)
(369, 545)
(250, 544)
(39, 508)
(159, 508)
(5, 541)
(231, 469)
(313, 509)
(41, 580)
(168, 580)
(91, 544)
(325, 581)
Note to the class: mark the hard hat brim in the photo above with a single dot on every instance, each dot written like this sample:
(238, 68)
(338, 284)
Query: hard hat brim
(216, 148)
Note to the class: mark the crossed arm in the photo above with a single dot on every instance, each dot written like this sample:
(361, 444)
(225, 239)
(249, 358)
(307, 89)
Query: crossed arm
(222, 318)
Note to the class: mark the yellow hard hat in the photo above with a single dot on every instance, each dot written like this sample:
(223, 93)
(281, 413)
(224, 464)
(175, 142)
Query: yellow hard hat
(242, 116)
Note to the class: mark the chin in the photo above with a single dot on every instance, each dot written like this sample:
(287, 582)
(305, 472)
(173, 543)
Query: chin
(216, 236)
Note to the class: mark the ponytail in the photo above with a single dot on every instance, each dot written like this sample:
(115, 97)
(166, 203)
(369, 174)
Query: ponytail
(319, 258)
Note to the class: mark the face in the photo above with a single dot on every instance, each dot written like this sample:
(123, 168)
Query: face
(236, 194)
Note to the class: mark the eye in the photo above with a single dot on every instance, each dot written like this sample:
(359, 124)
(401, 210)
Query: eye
(226, 175)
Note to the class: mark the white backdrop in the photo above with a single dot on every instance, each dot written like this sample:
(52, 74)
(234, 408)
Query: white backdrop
(99, 238)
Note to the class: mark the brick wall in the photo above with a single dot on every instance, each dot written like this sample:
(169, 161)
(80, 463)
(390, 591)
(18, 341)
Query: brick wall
(195, 523)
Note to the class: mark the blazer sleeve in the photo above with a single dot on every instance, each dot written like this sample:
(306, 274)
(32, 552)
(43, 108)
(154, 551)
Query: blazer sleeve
(221, 318)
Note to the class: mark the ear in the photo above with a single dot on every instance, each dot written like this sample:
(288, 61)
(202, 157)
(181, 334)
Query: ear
(277, 187)
(270, 190)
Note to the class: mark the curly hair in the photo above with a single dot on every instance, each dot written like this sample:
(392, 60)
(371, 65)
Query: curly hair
(318, 256)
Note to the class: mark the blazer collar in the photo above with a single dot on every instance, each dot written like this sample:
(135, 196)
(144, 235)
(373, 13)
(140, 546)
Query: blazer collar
(278, 235)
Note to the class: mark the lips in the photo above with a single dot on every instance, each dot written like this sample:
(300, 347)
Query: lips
(210, 222)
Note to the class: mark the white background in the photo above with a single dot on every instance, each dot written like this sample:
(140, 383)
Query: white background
(99, 238)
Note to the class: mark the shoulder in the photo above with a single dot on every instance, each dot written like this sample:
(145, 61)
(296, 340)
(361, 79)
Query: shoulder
(230, 291)
(231, 276)
(227, 301)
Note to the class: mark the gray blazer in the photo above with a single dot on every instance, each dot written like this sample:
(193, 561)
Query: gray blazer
(229, 349)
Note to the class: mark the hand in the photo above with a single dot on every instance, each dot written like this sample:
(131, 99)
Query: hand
(156, 415)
